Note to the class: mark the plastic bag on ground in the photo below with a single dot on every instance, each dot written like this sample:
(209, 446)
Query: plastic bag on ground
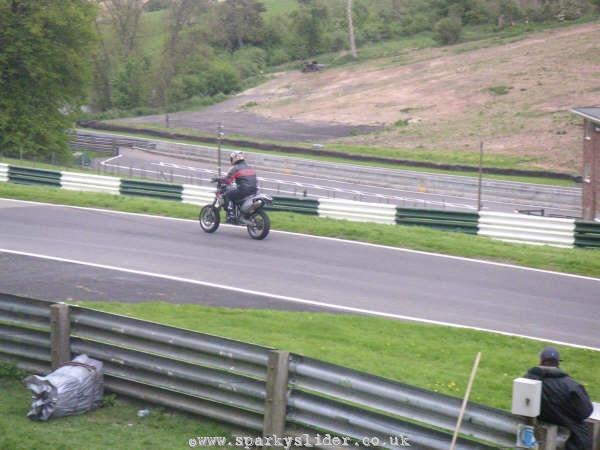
(73, 388)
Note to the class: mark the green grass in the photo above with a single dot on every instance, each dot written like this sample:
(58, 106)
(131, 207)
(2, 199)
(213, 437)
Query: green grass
(582, 261)
(115, 425)
(436, 358)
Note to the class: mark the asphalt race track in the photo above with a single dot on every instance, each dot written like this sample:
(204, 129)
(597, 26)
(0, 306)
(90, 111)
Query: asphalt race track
(57, 253)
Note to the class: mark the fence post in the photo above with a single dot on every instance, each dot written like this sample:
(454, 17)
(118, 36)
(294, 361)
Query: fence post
(546, 434)
(60, 331)
(276, 390)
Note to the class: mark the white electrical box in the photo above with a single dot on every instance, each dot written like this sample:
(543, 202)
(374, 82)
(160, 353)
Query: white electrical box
(527, 397)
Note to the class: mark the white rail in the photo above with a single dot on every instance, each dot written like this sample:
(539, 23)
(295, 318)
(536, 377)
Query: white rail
(88, 182)
(197, 195)
(512, 227)
(357, 211)
(3, 172)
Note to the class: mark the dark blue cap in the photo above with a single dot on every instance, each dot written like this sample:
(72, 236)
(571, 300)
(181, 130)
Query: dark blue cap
(549, 354)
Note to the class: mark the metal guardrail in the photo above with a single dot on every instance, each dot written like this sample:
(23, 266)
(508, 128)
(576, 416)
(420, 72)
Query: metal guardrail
(357, 211)
(297, 205)
(395, 399)
(91, 183)
(509, 227)
(197, 195)
(107, 143)
(443, 220)
(26, 175)
(150, 189)
(527, 229)
(3, 172)
(587, 234)
(230, 381)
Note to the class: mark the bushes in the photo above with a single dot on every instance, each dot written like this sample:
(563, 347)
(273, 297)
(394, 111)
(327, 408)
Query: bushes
(448, 30)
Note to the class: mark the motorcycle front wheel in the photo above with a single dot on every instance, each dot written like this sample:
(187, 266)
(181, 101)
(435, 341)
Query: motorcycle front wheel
(259, 225)
(209, 218)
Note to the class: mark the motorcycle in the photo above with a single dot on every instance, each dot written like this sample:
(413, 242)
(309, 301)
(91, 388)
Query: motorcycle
(248, 211)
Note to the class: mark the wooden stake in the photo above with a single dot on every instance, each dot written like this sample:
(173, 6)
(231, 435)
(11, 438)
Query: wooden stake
(465, 400)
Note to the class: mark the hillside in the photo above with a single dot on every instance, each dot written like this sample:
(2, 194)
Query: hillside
(444, 98)
(514, 97)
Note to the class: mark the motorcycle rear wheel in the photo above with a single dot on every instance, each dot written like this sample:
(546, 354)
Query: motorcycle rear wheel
(209, 218)
(259, 225)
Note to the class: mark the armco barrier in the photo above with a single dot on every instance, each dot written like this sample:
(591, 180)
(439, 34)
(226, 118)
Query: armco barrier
(443, 220)
(297, 205)
(231, 381)
(197, 195)
(87, 182)
(3, 172)
(357, 211)
(391, 399)
(25, 175)
(503, 226)
(149, 189)
(105, 142)
(587, 234)
(527, 229)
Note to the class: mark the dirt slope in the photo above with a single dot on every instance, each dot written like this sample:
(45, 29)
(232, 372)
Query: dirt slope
(444, 98)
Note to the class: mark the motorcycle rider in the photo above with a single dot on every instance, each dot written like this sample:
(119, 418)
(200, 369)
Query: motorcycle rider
(240, 182)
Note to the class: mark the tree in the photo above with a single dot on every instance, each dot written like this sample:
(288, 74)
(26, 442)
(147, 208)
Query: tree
(351, 29)
(242, 22)
(44, 49)
(125, 18)
(308, 23)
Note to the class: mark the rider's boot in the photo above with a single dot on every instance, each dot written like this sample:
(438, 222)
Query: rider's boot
(230, 214)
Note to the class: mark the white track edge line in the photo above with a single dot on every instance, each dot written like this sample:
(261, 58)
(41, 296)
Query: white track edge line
(295, 300)
(368, 244)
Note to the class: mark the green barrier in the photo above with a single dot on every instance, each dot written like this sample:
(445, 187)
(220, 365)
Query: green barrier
(149, 189)
(443, 220)
(25, 175)
(587, 234)
(297, 205)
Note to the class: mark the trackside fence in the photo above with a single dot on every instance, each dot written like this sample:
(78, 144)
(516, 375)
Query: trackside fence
(442, 220)
(357, 211)
(587, 234)
(107, 143)
(511, 227)
(250, 387)
(3, 172)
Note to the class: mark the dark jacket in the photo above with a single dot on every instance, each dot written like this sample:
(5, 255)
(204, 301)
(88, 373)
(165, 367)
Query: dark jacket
(244, 177)
(564, 402)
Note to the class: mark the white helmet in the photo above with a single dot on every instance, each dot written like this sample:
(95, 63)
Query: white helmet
(236, 156)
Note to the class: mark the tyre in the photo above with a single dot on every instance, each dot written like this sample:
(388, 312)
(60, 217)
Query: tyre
(209, 218)
(259, 225)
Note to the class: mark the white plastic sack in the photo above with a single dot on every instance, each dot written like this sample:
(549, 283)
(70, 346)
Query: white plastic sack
(73, 388)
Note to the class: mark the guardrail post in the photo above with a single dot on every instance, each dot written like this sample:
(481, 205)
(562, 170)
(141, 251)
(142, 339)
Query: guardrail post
(60, 332)
(594, 430)
(276, 389)
(546, 435)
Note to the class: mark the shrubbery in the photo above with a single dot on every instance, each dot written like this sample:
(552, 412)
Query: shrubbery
(447, 30)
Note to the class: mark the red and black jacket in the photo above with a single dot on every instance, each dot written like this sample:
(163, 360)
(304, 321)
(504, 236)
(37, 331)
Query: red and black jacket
(244, 177)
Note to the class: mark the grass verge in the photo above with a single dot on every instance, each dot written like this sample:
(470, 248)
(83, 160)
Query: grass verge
(433, 357)
(581, 261)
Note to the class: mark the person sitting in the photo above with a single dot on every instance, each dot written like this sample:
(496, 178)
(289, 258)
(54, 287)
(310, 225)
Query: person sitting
(564, 401)
(240, 182)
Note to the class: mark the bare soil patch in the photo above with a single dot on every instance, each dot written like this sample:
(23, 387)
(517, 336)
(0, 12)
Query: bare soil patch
(515, 98)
